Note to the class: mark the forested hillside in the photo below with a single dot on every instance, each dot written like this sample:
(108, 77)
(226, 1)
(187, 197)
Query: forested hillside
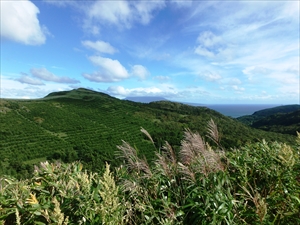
(85, 125)
(281, 119)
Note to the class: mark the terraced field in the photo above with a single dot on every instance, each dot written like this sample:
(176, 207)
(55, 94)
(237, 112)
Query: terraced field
(86, 125)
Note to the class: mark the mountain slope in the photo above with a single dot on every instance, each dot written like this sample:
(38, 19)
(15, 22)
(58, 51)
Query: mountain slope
(286, 123)
(281, 119)
(86, 125)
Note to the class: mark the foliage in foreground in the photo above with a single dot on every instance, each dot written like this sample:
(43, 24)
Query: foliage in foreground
(256, 184)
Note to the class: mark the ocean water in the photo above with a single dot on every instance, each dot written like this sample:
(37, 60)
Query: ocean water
(237, 110)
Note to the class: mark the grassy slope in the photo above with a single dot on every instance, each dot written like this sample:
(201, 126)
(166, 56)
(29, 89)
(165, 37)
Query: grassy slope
(87, 125)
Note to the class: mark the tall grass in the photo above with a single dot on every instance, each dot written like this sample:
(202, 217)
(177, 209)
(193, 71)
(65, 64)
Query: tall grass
(201, 184)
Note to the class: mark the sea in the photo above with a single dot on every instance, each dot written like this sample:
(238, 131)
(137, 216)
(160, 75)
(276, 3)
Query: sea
(237, 110)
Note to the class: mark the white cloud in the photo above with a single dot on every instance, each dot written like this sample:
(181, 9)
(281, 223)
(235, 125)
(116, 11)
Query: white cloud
(118, 91)
(19, 23)
(44, 74)
(209, 45)
(25, 79)
(11, 88)
(140, 91)
(113, 12)
(110, 70)
(100, 46)
(208, 39)
(140, 71)
(210, 76)
(142, 10)
(187, 94)
(204, 52)
(231, 81)
(237, 88)
(122, 13)
(162, 78)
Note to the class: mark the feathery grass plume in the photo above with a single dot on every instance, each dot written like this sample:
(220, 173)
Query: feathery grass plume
(191, 146)
(147, 134)
(162, 165)
(189, 174)
(133, 162)
(213, 132)
(129, 154)
(170, 153)
(198, 155)
(166, 161)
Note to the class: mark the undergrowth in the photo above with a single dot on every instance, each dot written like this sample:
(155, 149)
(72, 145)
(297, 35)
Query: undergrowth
(202, 184)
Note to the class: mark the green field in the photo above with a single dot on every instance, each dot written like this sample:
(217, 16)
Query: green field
(87, 126)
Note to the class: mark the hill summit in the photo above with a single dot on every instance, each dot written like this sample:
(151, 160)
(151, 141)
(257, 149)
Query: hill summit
(79, 93)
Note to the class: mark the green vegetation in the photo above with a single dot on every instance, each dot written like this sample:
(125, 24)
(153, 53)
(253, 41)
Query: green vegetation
(203, 183)
(281, 119)
(86, 125)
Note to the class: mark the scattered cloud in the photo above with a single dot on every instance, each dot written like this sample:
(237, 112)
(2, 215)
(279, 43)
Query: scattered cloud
(118, 91)
(141, 91)
(19, 23)
(210, 76)
(234, 49)
(237, 88)
(163, 90)
(117, 12)
(208, 44)
(25, 79)
(140, 71)
(99, 46)
(204, 52)
(208, 40)
(46, 75)
(162, 78)
(142, 10)
(110, 70)
(121, 13)
(12, 88)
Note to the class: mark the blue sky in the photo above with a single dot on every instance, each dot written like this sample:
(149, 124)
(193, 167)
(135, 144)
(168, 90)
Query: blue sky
(208, 52)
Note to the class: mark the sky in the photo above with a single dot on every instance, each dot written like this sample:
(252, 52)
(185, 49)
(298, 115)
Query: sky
(210, 52)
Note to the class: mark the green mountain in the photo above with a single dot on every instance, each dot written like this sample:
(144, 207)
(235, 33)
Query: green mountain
(281, 119)
(86, 125)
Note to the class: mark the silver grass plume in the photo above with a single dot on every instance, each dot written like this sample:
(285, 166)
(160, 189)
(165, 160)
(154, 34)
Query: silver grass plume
(199, 156)
(213, 132)
(133, 162)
